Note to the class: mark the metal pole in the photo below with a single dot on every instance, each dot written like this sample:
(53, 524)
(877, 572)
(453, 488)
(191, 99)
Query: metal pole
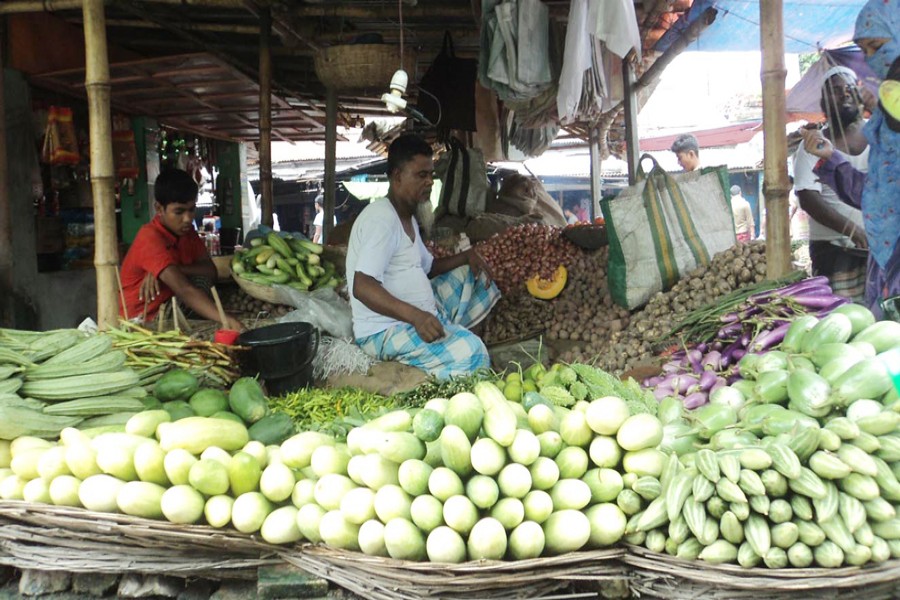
(106, 254)
(265, 116)
(631, 133)
(596, 179)
(775, 185)
(330, 162)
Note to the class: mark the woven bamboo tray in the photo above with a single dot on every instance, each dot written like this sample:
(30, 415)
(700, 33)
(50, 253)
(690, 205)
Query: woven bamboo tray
(260, 292)
(56, 538)
(388, 579)
(654, 575)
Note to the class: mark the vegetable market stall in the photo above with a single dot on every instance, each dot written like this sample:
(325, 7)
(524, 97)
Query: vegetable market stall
(543, 480)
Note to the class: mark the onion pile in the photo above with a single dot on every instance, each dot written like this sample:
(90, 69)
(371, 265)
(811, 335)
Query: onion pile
(524, 251)
(740, 265)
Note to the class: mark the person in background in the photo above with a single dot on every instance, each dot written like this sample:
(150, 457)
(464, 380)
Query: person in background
(407, 305)
(876, 192)
(319, 219)
(744, 227)
(687, 150)
(571, 217)
(168, 258)
(837, 236)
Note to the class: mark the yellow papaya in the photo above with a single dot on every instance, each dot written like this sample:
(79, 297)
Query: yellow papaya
(547, 289)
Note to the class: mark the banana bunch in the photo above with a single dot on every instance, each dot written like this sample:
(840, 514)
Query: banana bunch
(294, 262)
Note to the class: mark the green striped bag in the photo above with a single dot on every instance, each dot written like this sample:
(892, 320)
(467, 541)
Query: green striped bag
(664, 226)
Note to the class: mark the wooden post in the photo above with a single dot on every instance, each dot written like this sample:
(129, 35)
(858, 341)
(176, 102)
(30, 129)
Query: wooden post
(775, 185)
(265, 116)
(633, 150)
(596, 179)
(96, 82)
(6, 246)
(330, 163)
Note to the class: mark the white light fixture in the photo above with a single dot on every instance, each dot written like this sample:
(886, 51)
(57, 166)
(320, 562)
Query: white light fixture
(394, 100)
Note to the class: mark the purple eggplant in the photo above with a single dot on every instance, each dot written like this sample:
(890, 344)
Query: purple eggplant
(738, 354)
(819, 302)
(663, 392)
(693, 359)
(696, 400)
(652, 381)
(711, 361)
(702, 347)
(707, 380)
(670, 368)
(730, 331)
(768, 339)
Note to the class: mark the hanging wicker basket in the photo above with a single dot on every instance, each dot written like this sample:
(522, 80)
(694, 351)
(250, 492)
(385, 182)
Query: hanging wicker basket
(360, 66)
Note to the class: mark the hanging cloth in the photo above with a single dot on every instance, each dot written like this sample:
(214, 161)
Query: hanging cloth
(533, 67)
(576, 60)
(451, 80)
(614, 22)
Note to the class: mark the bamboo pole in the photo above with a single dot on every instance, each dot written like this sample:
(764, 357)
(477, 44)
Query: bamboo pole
(106, 253)
(775, 183)
(265, 116)
(330, 163)
(6, 246)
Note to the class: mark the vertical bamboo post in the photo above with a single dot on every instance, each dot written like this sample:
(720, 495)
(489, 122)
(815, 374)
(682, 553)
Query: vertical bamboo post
(330, 162)
(775, 184)
(265, 115)
(633, 149)
(596, 179)
(6, 245)
(106, 253)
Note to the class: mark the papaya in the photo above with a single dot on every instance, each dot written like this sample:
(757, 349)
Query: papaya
(247, 400)
(547, 289)
(207, 402)
(272, 429)
(889, 97)
(177, 384)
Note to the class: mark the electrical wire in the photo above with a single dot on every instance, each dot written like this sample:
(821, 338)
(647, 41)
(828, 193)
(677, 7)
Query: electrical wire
(400, 11)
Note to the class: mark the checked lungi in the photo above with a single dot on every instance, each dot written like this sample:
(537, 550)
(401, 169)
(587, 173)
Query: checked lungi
(463, 301)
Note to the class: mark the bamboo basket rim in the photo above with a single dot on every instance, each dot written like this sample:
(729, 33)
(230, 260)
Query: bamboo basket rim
(737, 577)
(360, 66)
(260, 292)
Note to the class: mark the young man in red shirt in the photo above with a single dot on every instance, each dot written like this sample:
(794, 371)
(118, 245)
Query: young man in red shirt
(167, 254)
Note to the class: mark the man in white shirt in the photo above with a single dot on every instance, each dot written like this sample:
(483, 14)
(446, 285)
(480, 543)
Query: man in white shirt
(408, 306)
(319, 220)
(837, 240)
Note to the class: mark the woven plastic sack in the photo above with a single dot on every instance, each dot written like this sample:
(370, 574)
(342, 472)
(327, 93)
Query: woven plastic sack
(664, 226)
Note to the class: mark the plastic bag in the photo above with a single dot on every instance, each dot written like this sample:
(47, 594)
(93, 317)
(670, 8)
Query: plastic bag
(322, 308)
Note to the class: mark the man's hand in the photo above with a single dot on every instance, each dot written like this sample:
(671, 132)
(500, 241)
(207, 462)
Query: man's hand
(478, 264)
(858, 237)
(428, 327)
(149, 288)
(870, 100)
(234, 323)
(817, 144)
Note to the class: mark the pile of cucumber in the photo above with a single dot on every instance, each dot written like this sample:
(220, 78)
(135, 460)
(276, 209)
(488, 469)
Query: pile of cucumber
(286, 260)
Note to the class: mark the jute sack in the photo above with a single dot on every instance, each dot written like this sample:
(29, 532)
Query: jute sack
(662, 227)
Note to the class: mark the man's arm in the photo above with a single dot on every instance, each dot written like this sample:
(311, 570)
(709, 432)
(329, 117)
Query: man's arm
(748, 215)
(811, 201)
(370, 292)
(202, 267)
(193, 296)
(848, 182)
(468, 257)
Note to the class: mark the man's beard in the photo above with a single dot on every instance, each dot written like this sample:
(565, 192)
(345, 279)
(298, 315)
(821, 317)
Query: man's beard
(425, 218)
(846, 115)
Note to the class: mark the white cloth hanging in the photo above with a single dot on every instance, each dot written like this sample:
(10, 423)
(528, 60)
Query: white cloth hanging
(615, 23)
(576, 60)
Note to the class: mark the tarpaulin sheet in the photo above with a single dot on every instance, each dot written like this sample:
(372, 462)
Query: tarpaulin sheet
(808, 25)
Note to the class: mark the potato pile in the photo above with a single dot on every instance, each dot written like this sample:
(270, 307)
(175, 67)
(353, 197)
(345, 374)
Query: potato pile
(237, 302)
(582, 315)
(740, 265)
(524, 251)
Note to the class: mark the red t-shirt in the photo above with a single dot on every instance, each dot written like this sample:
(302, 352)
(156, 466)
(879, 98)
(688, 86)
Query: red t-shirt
(154, 249)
